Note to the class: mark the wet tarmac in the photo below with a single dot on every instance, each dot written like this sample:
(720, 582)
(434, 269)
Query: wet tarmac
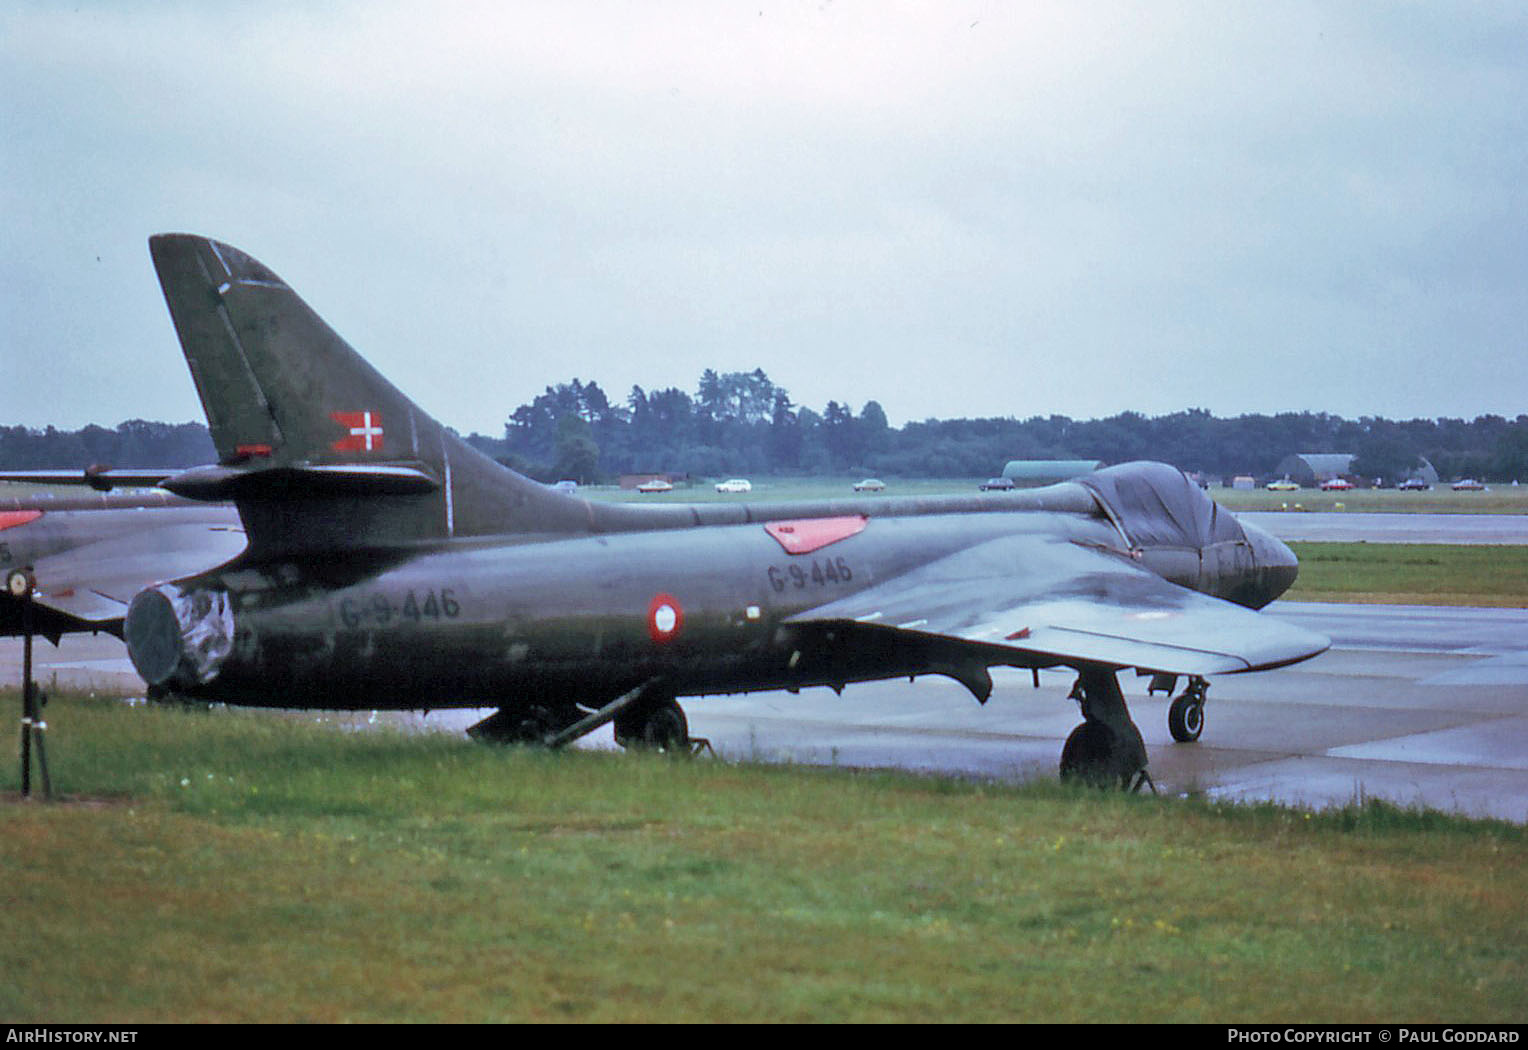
(1422, 706)
(1332, 527)
(1413, 705)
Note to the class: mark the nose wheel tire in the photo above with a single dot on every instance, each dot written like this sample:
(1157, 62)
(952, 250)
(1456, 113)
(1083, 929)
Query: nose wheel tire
(1185, 718)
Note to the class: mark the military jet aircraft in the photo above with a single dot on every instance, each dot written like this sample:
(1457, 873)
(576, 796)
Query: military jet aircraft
(390, 565)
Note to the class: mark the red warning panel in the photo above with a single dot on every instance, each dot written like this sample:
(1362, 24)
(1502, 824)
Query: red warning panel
(810, 534)
(9, 519)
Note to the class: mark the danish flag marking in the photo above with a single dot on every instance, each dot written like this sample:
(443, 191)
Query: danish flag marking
(365, 431)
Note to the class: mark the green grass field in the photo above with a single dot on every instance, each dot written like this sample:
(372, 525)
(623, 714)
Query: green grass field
(775, 489)
(231, 866)
(1501, 499)
(1411, 574)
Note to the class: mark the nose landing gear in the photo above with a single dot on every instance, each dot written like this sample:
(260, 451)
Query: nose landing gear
(1185, 716)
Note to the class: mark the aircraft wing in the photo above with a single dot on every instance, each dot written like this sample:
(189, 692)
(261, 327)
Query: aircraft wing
(88, 587)
(1044, 600)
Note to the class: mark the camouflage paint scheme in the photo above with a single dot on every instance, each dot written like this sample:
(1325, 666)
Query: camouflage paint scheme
(390, 565)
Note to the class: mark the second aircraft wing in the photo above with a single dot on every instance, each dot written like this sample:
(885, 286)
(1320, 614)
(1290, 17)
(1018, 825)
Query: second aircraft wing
(88, 585)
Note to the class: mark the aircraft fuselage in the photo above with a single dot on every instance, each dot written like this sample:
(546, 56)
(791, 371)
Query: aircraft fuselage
(484, 622)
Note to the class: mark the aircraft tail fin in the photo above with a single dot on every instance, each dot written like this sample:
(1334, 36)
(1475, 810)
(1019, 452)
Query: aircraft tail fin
(318, 450)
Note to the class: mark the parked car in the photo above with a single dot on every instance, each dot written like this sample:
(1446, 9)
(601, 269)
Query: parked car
(1283, 485)
(1468, 485)
(655, 485)
(1336, 485)
(734, 485)
(996, 485)
(870, 485)
(569, 487)
(1413, 485)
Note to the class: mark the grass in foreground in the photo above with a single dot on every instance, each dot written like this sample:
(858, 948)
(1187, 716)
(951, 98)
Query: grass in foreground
(244, 866)
(1411, 574)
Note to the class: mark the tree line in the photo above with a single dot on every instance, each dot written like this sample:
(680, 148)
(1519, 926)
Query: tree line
(135, 443)
(742, 423)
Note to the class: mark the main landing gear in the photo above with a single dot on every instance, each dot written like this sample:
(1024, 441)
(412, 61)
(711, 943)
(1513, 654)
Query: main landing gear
(658, 724)
(646, 718)
(1107, 749)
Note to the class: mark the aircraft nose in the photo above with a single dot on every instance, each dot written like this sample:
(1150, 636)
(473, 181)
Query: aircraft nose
(1276, 564)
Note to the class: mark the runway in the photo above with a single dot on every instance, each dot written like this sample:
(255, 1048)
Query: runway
(1363, 527)
(1415, 705)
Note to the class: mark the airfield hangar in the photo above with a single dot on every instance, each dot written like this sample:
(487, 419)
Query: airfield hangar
(1028, 473)
(1310, 469)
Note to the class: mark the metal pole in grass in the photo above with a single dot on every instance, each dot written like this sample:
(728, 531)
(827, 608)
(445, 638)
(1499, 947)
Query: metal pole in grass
(21, 583)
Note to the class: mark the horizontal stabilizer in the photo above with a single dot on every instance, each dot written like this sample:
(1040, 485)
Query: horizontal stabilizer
(302, 482)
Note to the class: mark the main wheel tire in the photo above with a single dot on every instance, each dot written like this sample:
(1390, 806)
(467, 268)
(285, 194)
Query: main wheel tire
(1088, 756)
(1185, 719)
(662, 727)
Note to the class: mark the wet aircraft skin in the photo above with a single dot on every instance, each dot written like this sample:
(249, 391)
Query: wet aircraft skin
(707, 610)
(590, 617)
(733, 639)
(389, 565)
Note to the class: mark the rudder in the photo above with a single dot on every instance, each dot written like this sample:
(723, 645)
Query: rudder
(315, 446)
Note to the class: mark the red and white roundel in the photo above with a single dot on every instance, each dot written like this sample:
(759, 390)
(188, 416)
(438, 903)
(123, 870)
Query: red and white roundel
(665, 617)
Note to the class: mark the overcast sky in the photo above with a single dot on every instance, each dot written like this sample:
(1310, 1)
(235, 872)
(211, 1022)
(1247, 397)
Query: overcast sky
(956, 209)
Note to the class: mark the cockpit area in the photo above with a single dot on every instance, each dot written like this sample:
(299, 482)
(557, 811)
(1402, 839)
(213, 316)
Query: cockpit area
(1156, 505)
(1184, 536)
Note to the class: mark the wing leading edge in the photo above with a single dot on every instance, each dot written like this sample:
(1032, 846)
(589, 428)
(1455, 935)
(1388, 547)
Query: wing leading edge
(1039, 601)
